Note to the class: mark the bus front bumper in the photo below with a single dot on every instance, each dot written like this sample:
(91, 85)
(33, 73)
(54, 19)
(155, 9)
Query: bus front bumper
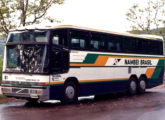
(40, 93)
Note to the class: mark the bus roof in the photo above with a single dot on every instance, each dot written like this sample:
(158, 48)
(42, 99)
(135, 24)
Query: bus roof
(33, 27)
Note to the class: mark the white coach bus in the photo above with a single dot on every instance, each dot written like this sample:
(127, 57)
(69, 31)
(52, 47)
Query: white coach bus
(65, 62)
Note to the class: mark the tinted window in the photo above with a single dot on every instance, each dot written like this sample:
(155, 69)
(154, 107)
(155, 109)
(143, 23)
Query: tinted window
(114, 43)
(155, 47)
(129, 45)
(97, 42)
(79, 39)
(145, 46)
(28, 36)
(160, 48)
(59, 37)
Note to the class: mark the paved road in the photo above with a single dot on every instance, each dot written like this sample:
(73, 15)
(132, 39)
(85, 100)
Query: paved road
(150, 106)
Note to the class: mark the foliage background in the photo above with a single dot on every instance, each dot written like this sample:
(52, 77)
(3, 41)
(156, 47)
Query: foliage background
(18, 13)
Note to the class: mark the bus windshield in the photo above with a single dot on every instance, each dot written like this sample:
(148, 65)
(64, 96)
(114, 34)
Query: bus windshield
(27, 58)
(28, 36)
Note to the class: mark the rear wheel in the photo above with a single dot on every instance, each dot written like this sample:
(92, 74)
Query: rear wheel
(132, 86)
(142, 85)
(70, 94)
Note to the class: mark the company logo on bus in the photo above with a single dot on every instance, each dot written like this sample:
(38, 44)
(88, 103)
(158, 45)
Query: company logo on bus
(117, 60)
(138, 62)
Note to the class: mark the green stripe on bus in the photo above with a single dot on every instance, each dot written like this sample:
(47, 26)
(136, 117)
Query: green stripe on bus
(158, 69)
(91, 58)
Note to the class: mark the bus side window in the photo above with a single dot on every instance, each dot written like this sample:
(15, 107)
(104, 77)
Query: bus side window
(77, 43)
(114, 43)
(94, 44)
(97, 42)
(119, 43)
(118, 46)
(59, 37)
(129, 44)
(144, 46)
(154, 47)
(55, 40)
(139, 46)
(78, 39)
(160, 48)
(111, 46)
(150, 51)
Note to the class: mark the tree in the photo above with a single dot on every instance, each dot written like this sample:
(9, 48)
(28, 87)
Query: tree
(1, 66)
(147, 18)
(16, 13)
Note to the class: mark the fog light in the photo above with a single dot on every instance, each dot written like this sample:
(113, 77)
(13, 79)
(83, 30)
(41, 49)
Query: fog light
(39, 92)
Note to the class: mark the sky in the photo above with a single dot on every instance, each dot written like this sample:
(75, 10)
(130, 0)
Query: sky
(100, 14)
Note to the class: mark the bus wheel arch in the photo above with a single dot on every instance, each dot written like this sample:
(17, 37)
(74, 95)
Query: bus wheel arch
(74, 80)
(71, 90)
(142, 84)
(132, 85)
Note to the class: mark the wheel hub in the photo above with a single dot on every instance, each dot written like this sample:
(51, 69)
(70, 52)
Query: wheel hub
(142, 84)
(70, 92)
(133, 85)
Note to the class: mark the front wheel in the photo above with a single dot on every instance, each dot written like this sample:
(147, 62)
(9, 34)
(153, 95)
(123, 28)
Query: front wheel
(70, 93)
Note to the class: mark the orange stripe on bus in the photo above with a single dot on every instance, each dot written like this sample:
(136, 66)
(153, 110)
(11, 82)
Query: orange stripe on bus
(101, 60)
(150, 72)
(56, 82)
(77, 64)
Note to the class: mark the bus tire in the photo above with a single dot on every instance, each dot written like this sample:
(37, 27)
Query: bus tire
(70, 93)
(132, 86)
(142, 85)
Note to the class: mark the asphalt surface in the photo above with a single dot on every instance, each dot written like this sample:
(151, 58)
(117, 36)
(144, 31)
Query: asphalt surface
(149, 106)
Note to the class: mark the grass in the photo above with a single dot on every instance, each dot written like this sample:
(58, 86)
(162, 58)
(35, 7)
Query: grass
(4, 99)
(1, 96)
